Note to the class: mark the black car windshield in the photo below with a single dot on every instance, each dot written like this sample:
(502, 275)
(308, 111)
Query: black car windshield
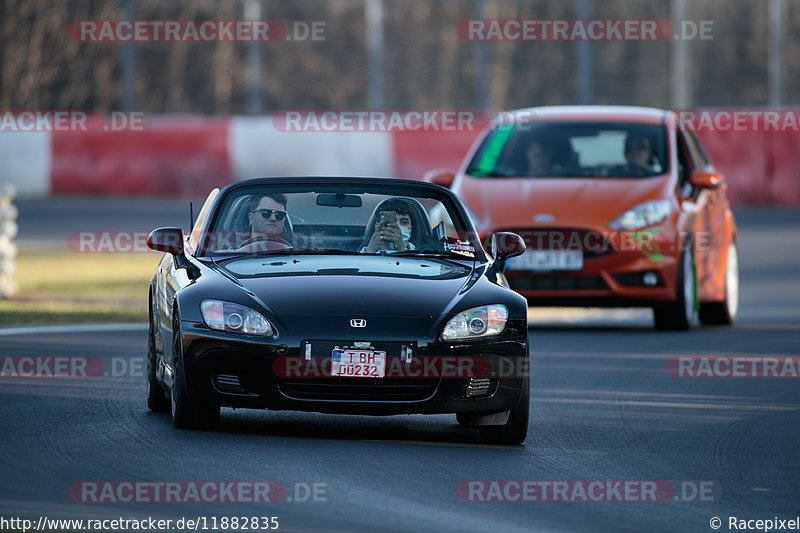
(292, 220)
(371, 265)
(574, 149)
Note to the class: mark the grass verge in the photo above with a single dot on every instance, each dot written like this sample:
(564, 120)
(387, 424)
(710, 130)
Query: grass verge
(63, 287)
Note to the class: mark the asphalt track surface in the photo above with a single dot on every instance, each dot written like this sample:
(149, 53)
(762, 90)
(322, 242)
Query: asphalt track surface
(604, 408)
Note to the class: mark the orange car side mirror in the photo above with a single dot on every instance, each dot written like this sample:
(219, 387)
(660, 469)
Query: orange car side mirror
(706, 180)
(440, 176)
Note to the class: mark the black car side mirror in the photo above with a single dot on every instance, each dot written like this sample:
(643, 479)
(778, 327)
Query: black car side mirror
(505, 245)
(170, 240)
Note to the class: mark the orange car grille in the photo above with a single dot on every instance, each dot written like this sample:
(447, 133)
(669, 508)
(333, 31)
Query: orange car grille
(591, 243)
(553, 283)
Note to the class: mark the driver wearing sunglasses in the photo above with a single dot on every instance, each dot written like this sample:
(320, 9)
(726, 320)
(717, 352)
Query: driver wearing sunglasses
(267, 214)
(638, 158)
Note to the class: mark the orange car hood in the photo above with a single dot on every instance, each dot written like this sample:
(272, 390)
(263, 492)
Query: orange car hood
(583, 202)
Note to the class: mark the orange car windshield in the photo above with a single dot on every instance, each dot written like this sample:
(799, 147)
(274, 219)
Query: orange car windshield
(577, 149)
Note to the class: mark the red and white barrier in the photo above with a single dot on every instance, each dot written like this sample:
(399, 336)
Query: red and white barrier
(180, 155)
(257, 148)
(188, 155)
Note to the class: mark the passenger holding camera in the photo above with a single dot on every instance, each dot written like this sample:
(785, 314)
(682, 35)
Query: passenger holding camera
(392, 229)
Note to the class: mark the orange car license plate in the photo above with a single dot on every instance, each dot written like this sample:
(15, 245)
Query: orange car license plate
(547, 261)
(358, 363)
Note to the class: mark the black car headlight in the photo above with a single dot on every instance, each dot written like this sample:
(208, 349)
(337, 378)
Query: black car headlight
(477, 322)
(227, 316)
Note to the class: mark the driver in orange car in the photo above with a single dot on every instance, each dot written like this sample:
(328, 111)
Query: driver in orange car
(539, 156)
(638, 155)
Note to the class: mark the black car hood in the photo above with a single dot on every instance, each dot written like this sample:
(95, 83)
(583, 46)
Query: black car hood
(417, 288)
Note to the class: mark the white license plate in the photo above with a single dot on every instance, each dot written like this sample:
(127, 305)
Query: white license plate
(547, 261)
(358, 363)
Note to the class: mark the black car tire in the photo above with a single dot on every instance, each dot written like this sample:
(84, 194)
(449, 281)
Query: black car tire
(724, 313)
(515, 429)
(186, 414)
(680, 314)
(157, 399)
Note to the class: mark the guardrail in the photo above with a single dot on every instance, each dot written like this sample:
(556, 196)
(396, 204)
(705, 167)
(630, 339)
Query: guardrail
(188, 155)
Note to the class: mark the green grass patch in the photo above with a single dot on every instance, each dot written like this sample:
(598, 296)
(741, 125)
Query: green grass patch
(64, 287)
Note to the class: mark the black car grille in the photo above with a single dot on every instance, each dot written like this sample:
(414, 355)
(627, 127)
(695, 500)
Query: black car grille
(477, 387)
(359, 389)
(591, 243)
(554, 283)
(229, 384)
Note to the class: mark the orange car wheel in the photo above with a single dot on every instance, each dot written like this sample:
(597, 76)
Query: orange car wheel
(680, 314)
(724, 313)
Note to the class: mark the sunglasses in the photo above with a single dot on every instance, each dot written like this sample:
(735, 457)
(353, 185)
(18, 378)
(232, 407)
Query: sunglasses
(267, 213)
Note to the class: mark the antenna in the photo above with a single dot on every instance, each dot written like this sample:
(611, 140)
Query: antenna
(191, 217)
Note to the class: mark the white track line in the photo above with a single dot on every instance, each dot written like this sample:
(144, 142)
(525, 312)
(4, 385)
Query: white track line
(74, 328)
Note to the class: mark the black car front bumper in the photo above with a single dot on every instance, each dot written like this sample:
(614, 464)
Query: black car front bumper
(245, 371)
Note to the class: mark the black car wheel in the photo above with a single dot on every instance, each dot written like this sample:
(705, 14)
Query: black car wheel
(724, 313)
(186, 414)
(680, 314)
(515, 429)
(156, 396)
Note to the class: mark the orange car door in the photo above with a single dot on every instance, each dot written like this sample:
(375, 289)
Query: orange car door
(709, 226)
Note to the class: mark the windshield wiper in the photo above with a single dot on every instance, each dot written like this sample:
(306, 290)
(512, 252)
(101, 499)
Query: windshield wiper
(289, 251)
(428, 253)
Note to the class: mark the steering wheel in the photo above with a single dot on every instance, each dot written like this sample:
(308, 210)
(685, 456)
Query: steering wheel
(266, 238)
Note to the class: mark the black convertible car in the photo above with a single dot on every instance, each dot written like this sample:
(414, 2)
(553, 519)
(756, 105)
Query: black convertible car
(365, 296)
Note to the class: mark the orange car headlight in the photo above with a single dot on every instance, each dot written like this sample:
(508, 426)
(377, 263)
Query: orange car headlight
(643, 215)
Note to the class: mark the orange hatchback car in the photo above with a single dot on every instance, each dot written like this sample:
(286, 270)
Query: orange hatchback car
(618, 207)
